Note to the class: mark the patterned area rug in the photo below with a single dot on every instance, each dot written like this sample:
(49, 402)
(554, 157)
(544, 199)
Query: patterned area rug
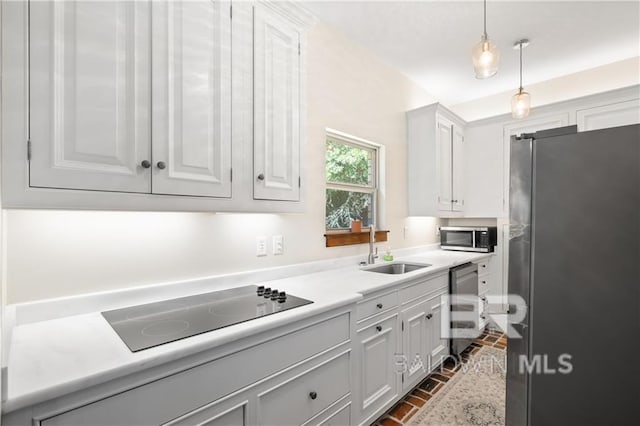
(474, 396)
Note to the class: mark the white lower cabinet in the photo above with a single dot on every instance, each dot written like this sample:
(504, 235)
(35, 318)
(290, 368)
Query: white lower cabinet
(399, 344)
(438, 347)
(378, 378)
(303, 396)
(415, 343)
(302, 376)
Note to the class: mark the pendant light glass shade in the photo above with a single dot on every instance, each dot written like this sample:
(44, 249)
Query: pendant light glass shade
(485, 54)
(485, 57)
(520, 104)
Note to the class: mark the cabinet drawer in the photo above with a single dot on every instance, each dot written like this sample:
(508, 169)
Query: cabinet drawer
(423, 288)
(376, 305)
(207, 382)
(302, 397)
(484, 267)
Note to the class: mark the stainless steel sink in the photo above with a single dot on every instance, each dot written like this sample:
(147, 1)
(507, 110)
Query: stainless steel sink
(397, 268)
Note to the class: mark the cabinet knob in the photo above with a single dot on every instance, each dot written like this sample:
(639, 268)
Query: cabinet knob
(313, 395)
(146, 164)
(261, 176)
(379, 328)
(379, 305)
(484, 282)
(484, 266)
(161, 165)
(429, 316)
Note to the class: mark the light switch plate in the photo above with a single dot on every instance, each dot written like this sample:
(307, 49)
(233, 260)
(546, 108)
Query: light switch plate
(261, 246)
(278, 245)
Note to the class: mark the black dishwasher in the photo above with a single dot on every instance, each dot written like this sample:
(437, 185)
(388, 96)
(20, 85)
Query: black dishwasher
(463, 282)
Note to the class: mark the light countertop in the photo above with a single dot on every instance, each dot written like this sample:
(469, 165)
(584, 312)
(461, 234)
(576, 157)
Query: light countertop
(48, 359)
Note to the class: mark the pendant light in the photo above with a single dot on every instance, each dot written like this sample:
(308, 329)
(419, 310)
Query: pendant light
(521, 101)
(485, 54)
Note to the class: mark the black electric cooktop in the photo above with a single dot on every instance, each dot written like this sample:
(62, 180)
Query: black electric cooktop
(145, 326)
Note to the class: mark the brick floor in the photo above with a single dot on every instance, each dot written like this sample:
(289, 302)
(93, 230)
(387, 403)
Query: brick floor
(401, 413)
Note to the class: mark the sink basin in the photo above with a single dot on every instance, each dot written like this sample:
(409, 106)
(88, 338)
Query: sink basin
(397, 268)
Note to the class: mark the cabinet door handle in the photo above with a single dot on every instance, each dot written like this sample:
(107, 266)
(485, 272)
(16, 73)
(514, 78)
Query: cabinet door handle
(146, 164)
(379, 305)
(261, 176)
(313, 395)
(379, 328)
(161, 165)
(429, 316)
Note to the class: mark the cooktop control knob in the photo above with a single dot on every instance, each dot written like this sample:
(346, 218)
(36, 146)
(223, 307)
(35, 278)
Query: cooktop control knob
(274, 294)
(267, 292)
(282, 297)
(260, 290)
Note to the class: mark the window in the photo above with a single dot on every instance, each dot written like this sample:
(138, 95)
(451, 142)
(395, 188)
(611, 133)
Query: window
(352, 182)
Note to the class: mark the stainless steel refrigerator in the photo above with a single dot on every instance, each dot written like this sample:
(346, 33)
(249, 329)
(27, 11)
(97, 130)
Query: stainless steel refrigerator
(574, 257)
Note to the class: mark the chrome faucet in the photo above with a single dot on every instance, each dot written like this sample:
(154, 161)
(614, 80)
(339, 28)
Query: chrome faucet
(372, 239)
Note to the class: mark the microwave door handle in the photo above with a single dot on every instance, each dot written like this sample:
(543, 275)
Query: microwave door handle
(473, 242)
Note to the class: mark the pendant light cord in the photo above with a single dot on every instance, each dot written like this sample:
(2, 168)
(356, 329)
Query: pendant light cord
(520, 66)
(485, 19)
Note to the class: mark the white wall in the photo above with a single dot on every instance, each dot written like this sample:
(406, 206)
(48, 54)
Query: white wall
(58, 253)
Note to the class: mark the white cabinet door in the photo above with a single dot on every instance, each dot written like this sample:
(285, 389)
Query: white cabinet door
(276, 107)
(437, 318)
(192, 98)
(414, 343)
(378, 378)
(89, 95)
(612, 115)
(457, 172)
(444, 163)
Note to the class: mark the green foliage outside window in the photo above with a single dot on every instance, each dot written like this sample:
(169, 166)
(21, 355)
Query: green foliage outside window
(350, 165)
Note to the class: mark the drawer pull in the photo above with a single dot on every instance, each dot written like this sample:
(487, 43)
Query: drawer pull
(429, 316)
(379, 305)
(313, 395)
(378, 328)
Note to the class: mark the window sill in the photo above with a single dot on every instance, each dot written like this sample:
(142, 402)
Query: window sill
(337, 239)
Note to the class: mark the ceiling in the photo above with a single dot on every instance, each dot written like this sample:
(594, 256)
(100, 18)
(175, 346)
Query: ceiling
(431, 41)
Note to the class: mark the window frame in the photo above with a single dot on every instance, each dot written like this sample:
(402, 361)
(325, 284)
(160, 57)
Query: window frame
(373, 189)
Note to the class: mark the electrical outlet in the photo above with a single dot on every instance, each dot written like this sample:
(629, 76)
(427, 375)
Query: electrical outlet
(278, 245)
(261, 246)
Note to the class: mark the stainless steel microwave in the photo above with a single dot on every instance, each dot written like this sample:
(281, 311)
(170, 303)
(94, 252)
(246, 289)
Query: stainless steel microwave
(469, 238)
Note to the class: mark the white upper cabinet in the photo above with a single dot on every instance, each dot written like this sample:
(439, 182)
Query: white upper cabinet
(444, 163)
(611, 115)
(89, 105)
(457, 172)
(435, 177)
(192, 98)
(276, 79)
(182, 105)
